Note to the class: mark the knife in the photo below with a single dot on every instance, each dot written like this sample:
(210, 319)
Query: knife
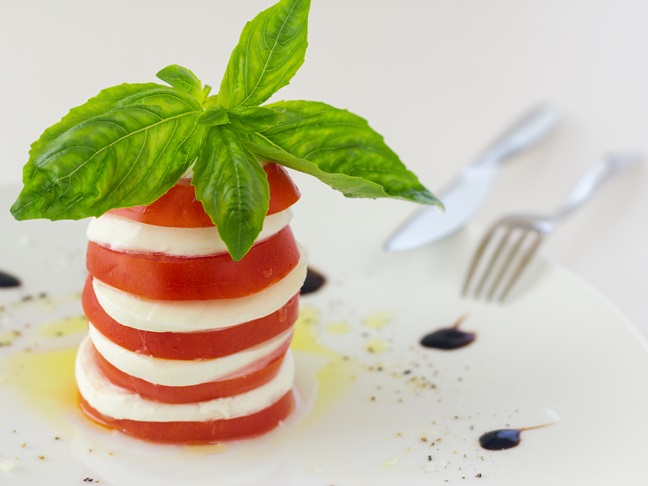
(466, 193)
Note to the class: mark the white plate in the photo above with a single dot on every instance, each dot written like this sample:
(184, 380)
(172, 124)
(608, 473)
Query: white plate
(381, 410)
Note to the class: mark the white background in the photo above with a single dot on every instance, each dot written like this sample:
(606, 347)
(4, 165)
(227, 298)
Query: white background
(438, 78)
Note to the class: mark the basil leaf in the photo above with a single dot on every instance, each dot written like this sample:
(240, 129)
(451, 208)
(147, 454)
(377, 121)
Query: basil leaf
(108, 99)
(125, 147)
(253, 119)
(183, 79)
(270, 51)
(233, 188)
(215, 115)
(340, 149)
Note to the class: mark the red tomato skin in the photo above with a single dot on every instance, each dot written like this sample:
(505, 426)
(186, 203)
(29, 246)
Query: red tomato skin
(163, 277)
(199, 432)
(195, 393)
(190, 345)
(179, 207)
(283, 191)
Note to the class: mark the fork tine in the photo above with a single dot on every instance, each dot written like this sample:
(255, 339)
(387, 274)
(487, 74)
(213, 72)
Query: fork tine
(507, 263)
(514, 245)
(476, 258)
(522, 264)
(494, 259)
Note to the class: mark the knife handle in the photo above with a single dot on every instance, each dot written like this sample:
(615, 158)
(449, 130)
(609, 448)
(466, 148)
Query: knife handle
(527, 131)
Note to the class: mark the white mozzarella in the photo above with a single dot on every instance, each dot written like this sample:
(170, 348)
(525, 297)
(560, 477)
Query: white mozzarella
(123, 234)
(172, 372)
(118, 403)
(197, 315)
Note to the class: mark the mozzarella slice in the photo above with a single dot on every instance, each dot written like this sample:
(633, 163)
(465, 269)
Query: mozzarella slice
(172, 372)
(197, 315)
(122, 234)
(118, 403)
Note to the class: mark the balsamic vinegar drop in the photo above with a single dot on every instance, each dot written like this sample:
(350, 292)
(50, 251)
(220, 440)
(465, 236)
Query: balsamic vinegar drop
(8, 281)
(498, 440)
(449, 338)
(314, 281)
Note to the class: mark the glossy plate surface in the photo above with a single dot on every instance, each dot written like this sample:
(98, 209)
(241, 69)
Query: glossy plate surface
(375, 407)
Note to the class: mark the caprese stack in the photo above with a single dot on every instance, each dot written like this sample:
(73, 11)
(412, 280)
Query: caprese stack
(185, 345)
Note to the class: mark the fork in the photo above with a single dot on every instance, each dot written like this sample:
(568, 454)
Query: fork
(514, 239)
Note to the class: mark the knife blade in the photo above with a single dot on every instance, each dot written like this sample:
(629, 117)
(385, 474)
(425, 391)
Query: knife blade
(465, 194)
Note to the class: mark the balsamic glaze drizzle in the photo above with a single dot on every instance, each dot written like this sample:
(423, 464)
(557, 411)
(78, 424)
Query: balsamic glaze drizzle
(8, 281)
(498, 440)
(314, 281)
(448, 338)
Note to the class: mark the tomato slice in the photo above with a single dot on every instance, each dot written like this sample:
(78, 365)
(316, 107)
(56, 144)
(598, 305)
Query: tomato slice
(283, 191)
(195, 393)
(163, 277)
(199, 432)
(179, 207)
(190, 345)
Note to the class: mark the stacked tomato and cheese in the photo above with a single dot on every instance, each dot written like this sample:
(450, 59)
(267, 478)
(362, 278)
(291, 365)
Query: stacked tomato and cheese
(184, 344)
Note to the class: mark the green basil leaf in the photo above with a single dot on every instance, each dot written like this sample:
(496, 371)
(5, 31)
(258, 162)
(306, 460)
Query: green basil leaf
(214, 115)
(270, 51)
(233, 188)
(340, 149)
(183, 79)
(125, 147)
(107, 100)
(251, 119)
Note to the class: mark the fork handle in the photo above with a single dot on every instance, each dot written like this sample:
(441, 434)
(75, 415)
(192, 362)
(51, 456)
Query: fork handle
(595, 178)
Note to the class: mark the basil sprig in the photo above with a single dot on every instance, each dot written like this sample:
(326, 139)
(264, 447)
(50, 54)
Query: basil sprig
(125, 147)
(131, 143)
